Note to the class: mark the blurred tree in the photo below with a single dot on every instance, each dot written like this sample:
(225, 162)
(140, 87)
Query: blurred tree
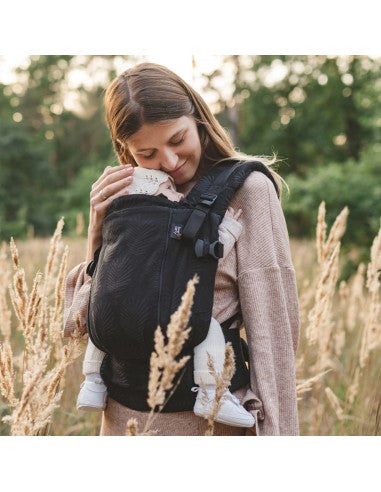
(52, 141)
(24, 195)
(311, 110)
(308, 109)
(73, 137)
(355, 184)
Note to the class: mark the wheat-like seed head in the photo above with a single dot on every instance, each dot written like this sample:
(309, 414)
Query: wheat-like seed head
(163, 363)
(334, 401)
(318, 317)
(306, 385)
(371, 336)
(356, 300)
(52, 257)
(5, 313)
(7, 388)
(222, 382)
(321, 229)
(132, 427)
(59, 290)
(5, 317)
(337, 231)
(15, 255)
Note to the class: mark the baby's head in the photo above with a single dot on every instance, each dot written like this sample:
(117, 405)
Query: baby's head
(169, 190)
(153, 182)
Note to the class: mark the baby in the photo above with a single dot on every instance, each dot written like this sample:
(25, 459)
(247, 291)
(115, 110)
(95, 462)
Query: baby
(93, 393)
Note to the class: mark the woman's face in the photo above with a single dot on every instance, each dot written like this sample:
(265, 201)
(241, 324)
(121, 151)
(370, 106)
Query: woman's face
(172, 146)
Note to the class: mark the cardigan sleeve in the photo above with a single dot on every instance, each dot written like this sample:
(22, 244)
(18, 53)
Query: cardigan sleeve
(77, 292)
(269, 305)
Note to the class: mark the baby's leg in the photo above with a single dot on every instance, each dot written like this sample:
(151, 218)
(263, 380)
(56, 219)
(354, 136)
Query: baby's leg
(92, 360)
(230, 411)
(93, 393)
(214, 343)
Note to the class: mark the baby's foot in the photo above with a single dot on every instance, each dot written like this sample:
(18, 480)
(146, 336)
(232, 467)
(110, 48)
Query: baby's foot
(93, 394)
(231, 412)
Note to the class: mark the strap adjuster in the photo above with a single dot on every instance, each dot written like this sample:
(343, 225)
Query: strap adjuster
(208, 199)
(198, 215)
(93, 263)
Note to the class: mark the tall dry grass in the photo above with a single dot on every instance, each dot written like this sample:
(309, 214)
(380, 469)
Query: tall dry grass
(31, 380)
(338, 362)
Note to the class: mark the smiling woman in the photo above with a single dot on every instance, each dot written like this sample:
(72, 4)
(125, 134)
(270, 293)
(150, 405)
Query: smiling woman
(186, 132)
(173, 146)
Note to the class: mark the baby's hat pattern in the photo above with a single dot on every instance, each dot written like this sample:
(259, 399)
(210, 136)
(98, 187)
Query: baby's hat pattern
(147, 181)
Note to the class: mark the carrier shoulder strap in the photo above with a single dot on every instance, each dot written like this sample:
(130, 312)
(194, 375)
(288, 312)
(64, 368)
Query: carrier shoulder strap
(214, 191)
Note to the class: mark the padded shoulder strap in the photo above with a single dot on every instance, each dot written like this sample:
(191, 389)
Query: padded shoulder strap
(214, 191)
(229, 175)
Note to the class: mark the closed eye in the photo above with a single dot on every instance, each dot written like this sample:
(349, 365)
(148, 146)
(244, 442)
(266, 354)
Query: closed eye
(153, 153)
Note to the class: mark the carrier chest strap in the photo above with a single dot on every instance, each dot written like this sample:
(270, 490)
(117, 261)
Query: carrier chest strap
(206, 200)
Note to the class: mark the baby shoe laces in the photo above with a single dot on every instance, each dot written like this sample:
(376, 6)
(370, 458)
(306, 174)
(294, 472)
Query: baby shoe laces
(234, 399)
(225, 396)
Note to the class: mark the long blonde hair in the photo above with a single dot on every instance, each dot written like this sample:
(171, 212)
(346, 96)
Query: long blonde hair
(149, 93)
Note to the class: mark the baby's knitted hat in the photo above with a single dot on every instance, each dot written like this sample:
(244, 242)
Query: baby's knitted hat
(147, 181)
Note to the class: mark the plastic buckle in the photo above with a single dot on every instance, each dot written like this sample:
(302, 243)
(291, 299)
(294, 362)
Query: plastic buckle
(208, 199)
(216, 250)
(202, 248)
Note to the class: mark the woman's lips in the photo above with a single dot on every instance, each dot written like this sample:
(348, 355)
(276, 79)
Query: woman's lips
(178, 170)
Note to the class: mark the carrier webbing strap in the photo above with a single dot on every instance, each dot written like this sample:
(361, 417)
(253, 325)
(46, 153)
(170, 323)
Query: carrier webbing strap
(197, 217)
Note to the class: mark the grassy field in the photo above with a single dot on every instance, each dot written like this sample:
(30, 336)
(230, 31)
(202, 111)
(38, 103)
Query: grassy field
(338, 361)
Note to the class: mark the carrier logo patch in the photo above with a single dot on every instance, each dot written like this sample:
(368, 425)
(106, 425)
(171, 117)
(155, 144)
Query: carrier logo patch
(177, 231)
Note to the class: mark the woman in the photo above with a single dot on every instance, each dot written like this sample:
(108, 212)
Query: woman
(158, 121)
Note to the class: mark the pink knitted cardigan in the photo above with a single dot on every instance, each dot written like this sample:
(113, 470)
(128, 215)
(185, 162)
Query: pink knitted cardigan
(258, 278)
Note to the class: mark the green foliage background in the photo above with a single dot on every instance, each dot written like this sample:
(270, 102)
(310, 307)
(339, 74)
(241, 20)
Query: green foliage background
(322, 117)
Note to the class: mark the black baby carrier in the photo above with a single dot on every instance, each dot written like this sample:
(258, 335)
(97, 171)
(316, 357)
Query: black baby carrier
(151, 247)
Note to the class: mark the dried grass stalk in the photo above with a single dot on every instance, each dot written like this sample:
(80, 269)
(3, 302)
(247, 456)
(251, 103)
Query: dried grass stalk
(306, 385)
(5, 313)
(163, 362)
(353, 387)
(51, 263)
(320, 327)
(355, 308)
(132, 427)
(371, 337)
(334, 401)
(340, 335)
(222, 383)
(43, 366)
(7, 387)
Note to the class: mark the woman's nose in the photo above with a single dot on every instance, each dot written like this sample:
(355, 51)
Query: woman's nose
(169, 161)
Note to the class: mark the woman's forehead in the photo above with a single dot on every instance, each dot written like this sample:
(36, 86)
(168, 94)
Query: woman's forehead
(158, 130)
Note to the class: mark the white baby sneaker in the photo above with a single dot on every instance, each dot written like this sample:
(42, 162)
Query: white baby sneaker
(92, 396)
(231, 412)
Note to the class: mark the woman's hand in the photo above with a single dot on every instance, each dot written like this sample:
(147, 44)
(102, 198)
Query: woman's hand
(112, 183)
